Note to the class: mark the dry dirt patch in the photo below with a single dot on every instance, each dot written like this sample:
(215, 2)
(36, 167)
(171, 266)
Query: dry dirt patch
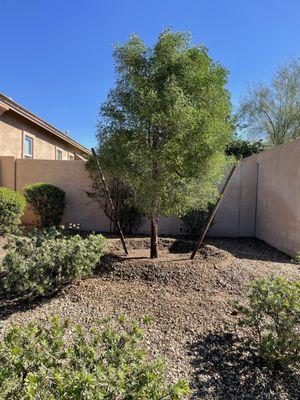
(189, 301)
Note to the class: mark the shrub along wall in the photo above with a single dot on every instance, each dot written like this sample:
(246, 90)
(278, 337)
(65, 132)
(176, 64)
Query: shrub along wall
(12, 206)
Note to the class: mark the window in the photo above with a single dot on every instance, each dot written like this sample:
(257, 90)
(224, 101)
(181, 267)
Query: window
(28, 145)
(71, 156)
(58, 154)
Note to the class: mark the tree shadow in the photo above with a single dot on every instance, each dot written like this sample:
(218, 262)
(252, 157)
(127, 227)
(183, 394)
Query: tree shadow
(249, 248)
(11, 304)
(245, 248)
(106, 263)
(224, 368)
(182, 246)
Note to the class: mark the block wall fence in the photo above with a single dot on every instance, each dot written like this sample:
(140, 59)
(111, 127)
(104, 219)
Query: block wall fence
(262, 200)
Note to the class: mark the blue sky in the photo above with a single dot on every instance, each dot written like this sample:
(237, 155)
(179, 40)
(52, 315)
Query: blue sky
(56, 56)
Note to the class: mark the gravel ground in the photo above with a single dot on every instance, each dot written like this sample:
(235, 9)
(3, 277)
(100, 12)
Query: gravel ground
(194, 326)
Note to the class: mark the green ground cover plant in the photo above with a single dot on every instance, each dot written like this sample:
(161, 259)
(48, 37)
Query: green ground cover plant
(105, 362)
(274, 315)
(12, 205)
(46, 260)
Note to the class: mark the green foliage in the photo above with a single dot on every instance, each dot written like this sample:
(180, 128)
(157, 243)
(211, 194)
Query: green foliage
(45, 261)
(66, 362)
(48, 202)
(164, 127)
(296, 259)
(274, 314)
(195, 221)
(240, 148)
(273, 111)
(127, 214)
(12, 205)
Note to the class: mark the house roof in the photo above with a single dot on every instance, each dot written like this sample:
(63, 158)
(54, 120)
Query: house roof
(17, 108)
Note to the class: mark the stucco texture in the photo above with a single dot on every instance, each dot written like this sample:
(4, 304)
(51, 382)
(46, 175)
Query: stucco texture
(263, 199)
(14, 128)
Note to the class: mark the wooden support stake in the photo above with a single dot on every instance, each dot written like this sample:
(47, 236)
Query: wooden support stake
(213, 213)
(109, 199)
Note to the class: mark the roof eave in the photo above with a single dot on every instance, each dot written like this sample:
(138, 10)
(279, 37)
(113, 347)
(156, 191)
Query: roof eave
(38, 121)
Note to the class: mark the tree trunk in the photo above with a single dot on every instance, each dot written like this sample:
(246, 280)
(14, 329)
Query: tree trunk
(154, 238)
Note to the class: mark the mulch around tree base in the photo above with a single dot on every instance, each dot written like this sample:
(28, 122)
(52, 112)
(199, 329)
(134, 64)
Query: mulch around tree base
(194, 326)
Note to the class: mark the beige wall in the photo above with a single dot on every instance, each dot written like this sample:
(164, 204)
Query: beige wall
(7, 172)
(263, 199)
(73, 179)
(278, 198)
(13, 129)
(236, 214)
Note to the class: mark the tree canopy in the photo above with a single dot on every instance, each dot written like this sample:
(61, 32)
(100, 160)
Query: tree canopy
(272, 111)
(241, 148)
(165, 125)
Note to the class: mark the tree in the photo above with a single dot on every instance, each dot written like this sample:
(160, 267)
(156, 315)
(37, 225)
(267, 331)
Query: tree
(273, 111)
(164, 127)
(240, 148)
(126, 213)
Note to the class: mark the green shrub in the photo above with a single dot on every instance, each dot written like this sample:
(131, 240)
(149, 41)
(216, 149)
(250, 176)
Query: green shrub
(12, 205)
(240, 148)
(274, 314)
(46, 260)
(47, 201)
(296, 259)
(195, 221)
(105, 362)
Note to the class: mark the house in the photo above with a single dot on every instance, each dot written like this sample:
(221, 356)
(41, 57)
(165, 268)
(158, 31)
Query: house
(25, 135)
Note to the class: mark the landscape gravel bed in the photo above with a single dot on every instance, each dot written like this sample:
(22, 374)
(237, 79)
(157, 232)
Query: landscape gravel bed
(194, 325)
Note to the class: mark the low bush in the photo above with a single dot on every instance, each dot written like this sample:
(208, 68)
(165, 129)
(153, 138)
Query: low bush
(47, 201)
(296, 259)
(195, 221)
(46, 260)
(105, 362)
(274, 315)
(12, 205)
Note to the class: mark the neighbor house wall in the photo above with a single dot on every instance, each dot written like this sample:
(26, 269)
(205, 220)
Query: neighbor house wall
(14, 128)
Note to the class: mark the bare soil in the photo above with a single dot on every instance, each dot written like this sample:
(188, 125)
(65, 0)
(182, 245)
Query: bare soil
(190, 302)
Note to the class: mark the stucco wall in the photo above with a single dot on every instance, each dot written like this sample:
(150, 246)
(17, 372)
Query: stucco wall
(278, 197)
(74, 180)
(13, 129)
(236, 214)
(70, 176)
(263, 199)
(7, 172)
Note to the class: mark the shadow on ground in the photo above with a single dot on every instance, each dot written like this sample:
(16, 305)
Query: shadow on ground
(246, 248)
(225, 369)
(12, 304)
